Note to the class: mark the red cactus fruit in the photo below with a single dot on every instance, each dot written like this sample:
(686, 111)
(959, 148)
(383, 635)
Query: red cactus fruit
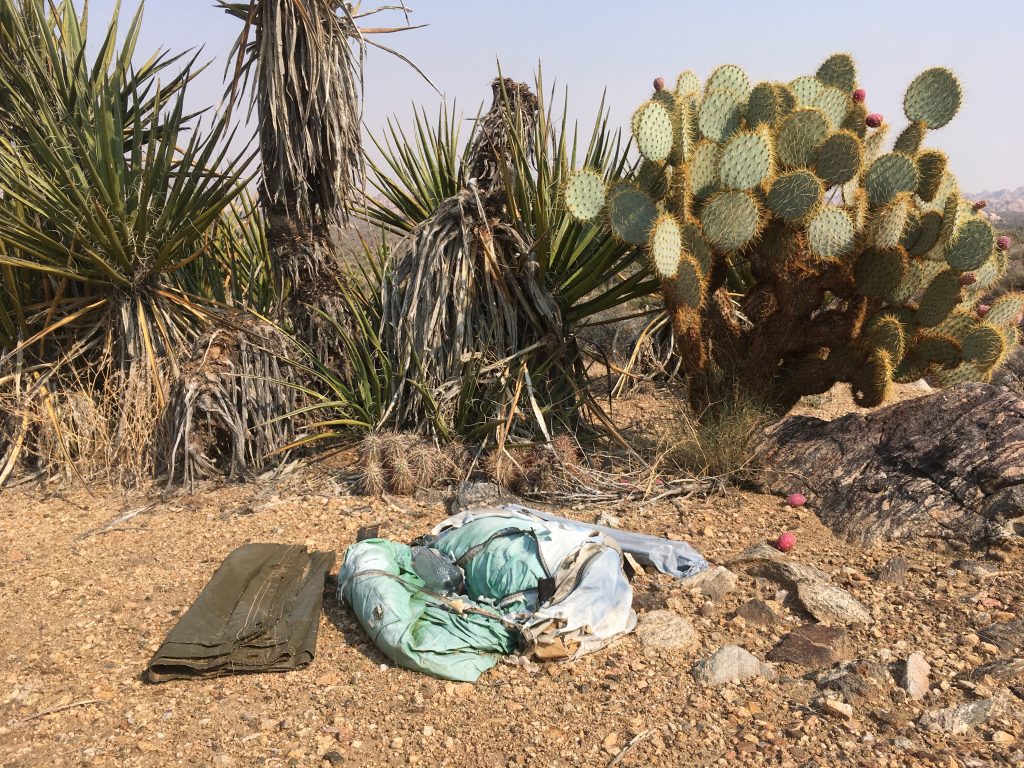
(968, 279)
(659, 83)
(859, 95)
(979, 205)
(873, 120)
(785, 542)
(796, 500)
(1003, 242)
(983, 309)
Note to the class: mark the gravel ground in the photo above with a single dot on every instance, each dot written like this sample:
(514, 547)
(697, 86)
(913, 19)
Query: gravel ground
(83, 612)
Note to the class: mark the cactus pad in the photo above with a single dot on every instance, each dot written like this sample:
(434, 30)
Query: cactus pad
(962, 374)
(654, 130)
(687, 84)
(886, 332)
(878, 273)
(704, 169)
(584, 194)
(764, 106)
(687, 287)
(890, 221)
(731, 220)
(931, 167)
(933, 98)
(984, 345)
(939, 299)
(856, 120)
(1006, 310)
(910, 140)
(631, 213)
(719, 115)
(806, 89)
(888, 176)
(839, 71)
(731, 78)
(799, 135)
(746, 160)
(870, 384)
(936, 348)
(925, 234)
(834, 104)
(955, 214)
(830, 233)
(694, 244)
(665, 246)
(838, 159)
(971, 246)
(874, 142)
(795, 194)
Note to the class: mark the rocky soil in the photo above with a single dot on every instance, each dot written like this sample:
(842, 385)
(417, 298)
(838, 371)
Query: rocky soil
(832, 654)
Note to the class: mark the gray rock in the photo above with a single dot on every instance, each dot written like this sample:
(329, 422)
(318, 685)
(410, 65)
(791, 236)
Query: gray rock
(758, 612)
(1004, 670)
(1007, 636)
(812, 646)
(756, 553)
(717, 583)
(731, 664)
(831, 604)
(666, 630)
(974, 567)
(789, 573)
(963, 718)
(916, 677)
(894, 570)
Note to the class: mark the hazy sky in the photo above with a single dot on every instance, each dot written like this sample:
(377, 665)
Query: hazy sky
(594, 45)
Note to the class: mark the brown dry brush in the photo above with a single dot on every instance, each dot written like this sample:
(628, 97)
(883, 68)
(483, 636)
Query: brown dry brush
(225, 411)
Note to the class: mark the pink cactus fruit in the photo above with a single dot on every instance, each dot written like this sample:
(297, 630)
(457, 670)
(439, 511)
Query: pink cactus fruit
(1003, 243)
(873, 120)
(967, 279)
(983, 309)
(785, 542)
(859, 95)
(979, 204)
(659, 83)
(796, 500)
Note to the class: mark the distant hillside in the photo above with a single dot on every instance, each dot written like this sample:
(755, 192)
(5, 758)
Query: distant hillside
(1005, 206)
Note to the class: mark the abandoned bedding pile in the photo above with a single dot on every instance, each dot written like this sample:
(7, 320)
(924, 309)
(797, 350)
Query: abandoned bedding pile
(494, 581)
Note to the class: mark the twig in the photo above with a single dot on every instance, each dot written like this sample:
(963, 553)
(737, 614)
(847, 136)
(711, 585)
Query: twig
(632, 743)
(115, 522)
(54, 710)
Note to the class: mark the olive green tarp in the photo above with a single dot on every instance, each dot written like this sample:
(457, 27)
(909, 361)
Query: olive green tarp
(259, 613)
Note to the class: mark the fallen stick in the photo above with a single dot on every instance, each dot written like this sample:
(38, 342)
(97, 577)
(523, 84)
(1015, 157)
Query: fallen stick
(632, 743)
(55, 710)
(115, 522)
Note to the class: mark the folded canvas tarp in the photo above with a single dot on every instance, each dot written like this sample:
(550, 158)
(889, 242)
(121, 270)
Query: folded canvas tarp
(259, 613)
(541, 586)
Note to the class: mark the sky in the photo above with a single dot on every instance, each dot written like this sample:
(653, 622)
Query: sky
(599, 46)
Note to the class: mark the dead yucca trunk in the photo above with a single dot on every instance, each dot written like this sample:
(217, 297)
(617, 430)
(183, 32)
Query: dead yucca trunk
(223, 417)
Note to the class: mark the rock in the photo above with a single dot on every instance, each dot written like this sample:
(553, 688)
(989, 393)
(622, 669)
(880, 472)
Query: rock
(717, 583)
(1003, 670)
(1007, 636)
(857, 680)
(916, 676)
(836, 708)
(758, 612)
(666, 630)
(474, 495)
(947, 466)
(334, 757)
(786, 572)
(831, 604)
(894, 570)
(756, 553)
(812, 646)
(974, 567)
(731, 664)
(1002, 738)
(963, 718)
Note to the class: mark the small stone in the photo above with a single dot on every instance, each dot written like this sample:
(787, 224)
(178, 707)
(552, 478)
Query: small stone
(963, 718)
(894, 570)
(718, 583)
(757, 612)
(1002, 738)
(666, 630)
(916, 674)
(333, 757)
(969, 640)
(428, 730)
(731, 664)
(988, 648)
(836, 708)
(812, 646)
(831, 604)
(397, 742)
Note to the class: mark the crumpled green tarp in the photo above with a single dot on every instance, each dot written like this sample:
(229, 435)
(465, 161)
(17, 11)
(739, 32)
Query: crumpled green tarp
(259, 613)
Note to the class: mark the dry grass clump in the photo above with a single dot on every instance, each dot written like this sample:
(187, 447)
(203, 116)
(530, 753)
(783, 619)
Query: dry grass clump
(720, 443)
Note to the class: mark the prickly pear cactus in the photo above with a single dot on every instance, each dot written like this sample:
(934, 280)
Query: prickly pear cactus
(795, 248)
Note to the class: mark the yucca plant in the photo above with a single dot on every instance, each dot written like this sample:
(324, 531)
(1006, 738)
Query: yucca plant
(109, 190)
(483, 297)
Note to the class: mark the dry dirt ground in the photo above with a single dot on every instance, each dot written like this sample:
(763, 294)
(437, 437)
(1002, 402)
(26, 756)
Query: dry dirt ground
(82, 613)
